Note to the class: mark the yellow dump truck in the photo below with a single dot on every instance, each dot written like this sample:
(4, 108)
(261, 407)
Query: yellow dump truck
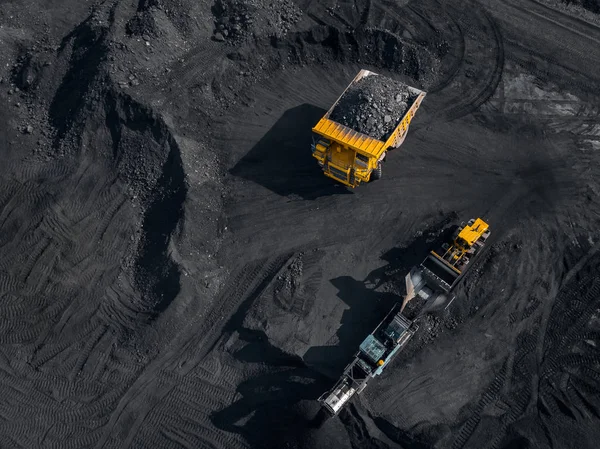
(351, 157)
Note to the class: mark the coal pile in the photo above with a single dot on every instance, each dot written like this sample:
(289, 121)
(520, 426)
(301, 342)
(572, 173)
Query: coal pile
(233, 21)
(591, 5)
(236, 20)
(374, 106)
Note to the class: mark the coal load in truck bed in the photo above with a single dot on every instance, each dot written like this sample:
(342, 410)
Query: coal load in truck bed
(374, 106)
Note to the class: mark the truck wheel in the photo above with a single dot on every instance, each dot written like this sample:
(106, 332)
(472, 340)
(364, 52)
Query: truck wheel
(376, 173)
(352, 177)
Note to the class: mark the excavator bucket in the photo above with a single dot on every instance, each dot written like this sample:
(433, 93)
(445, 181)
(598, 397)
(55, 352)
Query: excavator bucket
(440, 272)
(417, 284)
(439, 302)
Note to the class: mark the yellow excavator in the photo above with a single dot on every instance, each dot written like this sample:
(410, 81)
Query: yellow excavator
(442, 269)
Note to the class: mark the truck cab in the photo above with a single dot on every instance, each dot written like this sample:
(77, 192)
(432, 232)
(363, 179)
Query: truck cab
(343, 163)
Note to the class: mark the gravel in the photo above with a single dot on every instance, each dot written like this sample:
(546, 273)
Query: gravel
(237, 20)
(374, 106)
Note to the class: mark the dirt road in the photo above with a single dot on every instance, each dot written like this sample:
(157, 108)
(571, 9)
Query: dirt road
(177, 272)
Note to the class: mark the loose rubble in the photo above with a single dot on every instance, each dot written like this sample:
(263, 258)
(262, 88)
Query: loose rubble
(374, 106)
(236, 20)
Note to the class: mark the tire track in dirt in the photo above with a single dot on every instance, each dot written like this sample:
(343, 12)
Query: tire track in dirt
(485, 91)
(31, 170)
(571, 313)
(516, 392)
(119, 306)
(97, 362)
(57, 225)
(565, 326)
(205, 398)
(198, 342)
(253, 281)
(91, 342)
(108, 218)
(555, 300)
(46, 393)
(561, 51)
(68, 322)
(38, 266)
(576, 314)
(46, 353)
(25, 202)
(489, 396)
(42, 250)
(389, 400)
(523, 281)
(590, 29)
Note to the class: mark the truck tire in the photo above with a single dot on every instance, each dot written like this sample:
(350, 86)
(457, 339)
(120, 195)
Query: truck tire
(352, 177)
(376, 173)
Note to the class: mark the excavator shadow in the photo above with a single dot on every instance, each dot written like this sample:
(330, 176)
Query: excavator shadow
(368, 306)
(366, 309)
(401, 259)
(281, 161)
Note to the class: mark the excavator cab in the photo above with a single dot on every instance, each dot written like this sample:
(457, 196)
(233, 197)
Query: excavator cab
(443, 268)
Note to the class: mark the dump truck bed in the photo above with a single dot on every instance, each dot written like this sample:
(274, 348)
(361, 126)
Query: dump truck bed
(360, 142)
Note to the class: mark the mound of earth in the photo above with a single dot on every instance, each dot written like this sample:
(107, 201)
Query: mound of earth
(591, 5)
(374, 106)
(236, 20)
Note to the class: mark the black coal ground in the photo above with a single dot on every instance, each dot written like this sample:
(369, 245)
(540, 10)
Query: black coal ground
(374, 106)
(177, 272)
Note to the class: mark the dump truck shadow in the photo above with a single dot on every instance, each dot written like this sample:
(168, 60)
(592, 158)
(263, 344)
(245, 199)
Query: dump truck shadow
(281, 161)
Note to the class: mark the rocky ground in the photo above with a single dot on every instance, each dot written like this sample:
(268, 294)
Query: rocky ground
(236, 20)
(374, 106)
(176, 270)
(591, 5)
